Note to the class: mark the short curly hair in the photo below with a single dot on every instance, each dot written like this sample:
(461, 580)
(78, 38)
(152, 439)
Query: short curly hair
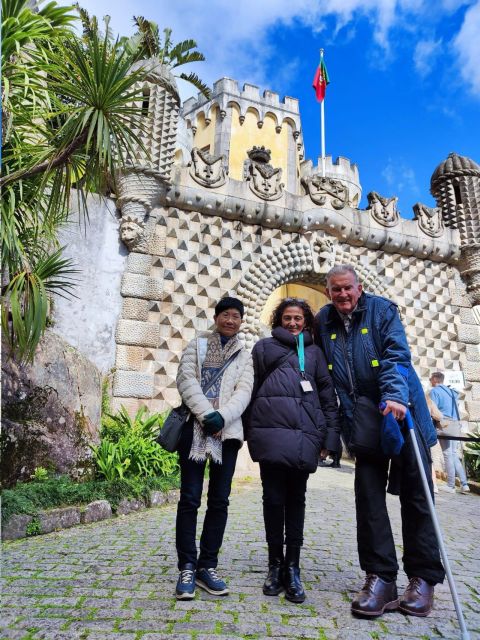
(276, 319)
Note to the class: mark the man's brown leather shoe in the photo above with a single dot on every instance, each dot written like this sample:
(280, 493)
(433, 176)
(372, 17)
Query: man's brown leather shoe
(418, 598)
(375, 597)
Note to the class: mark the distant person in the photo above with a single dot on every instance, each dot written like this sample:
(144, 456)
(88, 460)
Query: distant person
(293, 417)
(445, 399)
(214, 433)
(436, 450)
(367, 351)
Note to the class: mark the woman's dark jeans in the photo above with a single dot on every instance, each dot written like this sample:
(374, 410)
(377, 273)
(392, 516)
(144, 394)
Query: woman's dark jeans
(220, 481)
(283, 503)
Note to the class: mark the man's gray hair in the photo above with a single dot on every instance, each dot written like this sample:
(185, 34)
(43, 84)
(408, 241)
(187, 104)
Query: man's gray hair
(438, 375)
(340, 270)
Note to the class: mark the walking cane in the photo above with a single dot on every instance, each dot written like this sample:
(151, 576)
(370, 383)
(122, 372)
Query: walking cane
(438, 533)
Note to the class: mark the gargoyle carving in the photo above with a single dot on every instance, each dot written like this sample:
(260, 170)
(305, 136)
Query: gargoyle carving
(429, 219)
(131, 231)
(384, 210)
(208, 170)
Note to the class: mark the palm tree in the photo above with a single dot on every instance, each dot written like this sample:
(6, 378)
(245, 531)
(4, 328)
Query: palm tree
(148, 44)
(69, 122)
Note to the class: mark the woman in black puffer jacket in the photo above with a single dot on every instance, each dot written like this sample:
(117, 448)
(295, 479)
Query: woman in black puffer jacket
(292, 419)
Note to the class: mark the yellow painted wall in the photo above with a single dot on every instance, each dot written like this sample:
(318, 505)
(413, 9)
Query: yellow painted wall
(315, 297)
(205, 135)
(245, 136)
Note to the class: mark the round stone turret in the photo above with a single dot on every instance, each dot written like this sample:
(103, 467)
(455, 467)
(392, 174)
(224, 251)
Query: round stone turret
(455, 185)
(453, 166)
(160, 107)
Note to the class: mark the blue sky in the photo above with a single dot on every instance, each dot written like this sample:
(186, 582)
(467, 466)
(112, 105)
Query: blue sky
(405, 74)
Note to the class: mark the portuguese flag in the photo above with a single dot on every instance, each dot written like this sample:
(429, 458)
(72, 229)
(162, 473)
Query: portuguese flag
(320, 81)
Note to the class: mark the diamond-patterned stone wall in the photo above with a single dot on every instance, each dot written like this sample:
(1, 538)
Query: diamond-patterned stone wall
(207, 257)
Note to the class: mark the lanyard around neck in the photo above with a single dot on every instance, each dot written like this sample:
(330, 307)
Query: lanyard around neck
(301, 353)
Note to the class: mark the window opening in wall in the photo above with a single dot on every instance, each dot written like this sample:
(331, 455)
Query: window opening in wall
(145, 101)
(458, 197)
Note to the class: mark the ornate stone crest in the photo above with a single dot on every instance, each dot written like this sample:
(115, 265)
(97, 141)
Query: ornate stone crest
(324, 190)
(264, 180)
(131, 231)
(429, 219)
(324, 251)
(208, 170)
(384, 210)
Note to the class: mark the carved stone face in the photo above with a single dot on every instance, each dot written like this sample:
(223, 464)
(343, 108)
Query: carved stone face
(129, 232)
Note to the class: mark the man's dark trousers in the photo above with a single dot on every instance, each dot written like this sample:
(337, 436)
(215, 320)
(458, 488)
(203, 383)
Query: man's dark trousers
(376, 548)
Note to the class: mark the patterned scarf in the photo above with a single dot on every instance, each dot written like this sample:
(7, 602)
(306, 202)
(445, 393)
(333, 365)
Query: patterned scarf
(203, 446)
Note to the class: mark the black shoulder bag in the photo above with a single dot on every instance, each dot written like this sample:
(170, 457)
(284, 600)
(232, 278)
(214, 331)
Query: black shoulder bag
(171, 432)
(365, 434)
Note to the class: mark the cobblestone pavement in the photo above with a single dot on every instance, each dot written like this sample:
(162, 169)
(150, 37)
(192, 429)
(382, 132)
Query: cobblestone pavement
(115, 579)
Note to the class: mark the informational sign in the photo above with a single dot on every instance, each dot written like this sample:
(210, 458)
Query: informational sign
(455, 380)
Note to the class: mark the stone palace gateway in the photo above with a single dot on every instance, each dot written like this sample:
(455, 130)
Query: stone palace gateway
(225, 203)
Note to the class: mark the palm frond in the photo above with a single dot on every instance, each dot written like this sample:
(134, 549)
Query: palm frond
(149, 37)
(26, 300)
(192, 78)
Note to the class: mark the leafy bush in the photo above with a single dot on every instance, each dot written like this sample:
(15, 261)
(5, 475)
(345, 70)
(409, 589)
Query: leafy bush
(39, 475)
(32, 497)
(472, 457)
(128, 447)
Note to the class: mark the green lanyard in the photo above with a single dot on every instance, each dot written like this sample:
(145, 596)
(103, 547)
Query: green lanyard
(301, 354)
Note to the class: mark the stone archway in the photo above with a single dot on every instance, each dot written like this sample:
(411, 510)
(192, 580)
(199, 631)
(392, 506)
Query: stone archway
(307, 261)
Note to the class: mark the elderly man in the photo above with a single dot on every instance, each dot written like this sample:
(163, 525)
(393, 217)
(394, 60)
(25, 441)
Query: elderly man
(368, 355)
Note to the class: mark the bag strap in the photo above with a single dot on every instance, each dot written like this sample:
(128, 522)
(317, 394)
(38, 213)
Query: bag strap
(454, 402)
(274, 365)
(220, 371)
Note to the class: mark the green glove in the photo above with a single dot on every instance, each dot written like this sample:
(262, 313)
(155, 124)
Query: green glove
(213, 423)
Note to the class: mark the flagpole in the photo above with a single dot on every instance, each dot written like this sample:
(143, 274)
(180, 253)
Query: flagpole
(322, 124)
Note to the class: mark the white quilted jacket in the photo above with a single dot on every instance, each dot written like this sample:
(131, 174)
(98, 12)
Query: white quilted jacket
(235, 390)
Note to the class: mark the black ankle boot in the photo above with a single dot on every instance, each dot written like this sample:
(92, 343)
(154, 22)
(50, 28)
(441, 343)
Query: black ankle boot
(273, 583)
(291, 576)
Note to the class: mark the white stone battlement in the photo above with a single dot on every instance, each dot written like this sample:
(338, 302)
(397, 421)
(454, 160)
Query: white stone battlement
(226, 90)
(341, 167)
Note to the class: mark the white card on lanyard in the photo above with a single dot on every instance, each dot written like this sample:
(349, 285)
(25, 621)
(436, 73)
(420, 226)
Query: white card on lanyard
(306, 386)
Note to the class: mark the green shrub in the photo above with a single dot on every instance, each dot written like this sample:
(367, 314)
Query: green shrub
(33, 528)
(32, 497)
(39, 475)
(472, 457)
(128, 447)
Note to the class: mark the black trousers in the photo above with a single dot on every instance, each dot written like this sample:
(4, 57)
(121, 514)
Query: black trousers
(191, 488)
(376, 548)
(283, 503)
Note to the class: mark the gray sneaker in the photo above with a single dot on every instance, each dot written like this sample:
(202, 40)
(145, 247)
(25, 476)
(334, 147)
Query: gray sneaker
(465, 489)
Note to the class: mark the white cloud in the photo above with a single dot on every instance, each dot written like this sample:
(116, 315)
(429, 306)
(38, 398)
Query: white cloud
(425, 55)
(234, 36)
(400, 177)
(467, 45)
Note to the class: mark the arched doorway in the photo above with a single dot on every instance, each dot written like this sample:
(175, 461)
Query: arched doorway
(314, 294)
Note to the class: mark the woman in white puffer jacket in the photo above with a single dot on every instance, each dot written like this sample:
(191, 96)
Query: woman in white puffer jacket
(214, 432)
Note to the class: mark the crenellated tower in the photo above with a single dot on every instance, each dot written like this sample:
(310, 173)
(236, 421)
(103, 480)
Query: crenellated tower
(233, 121)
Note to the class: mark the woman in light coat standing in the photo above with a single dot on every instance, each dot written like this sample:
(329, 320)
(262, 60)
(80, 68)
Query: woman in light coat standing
(215, 433)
